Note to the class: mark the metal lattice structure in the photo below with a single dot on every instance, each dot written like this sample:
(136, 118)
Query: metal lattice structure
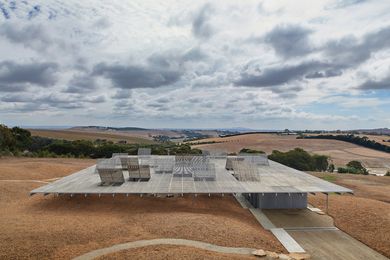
(109, 172)
(245, 171)
(257, 159)
(164, 164)
(188, 174)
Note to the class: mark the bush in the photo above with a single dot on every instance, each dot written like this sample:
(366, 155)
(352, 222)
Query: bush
(347, 170)
(247, 150)
(301, 160)
(387, 173)
(353, 167)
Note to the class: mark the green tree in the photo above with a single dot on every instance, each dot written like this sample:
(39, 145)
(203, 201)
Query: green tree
(7, 139)
(22, 137)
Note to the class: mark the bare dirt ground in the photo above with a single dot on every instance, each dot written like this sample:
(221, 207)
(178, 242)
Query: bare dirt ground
(40, 168)
(92, 135)
(366, 215)
(47, 227)
(340, 152)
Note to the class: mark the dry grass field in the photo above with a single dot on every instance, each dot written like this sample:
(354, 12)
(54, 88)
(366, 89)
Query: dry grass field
(365, 215)
(340, 152)
(61, 228)
(91, 135)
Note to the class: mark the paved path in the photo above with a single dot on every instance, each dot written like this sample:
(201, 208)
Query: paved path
(284, 238)
(287, 241)
(166, 241)
(262, 219)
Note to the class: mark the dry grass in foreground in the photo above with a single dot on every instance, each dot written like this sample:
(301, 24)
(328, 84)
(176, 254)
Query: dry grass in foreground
(46, 227)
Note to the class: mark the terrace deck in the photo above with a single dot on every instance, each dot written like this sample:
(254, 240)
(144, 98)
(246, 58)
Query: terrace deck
(274, 178)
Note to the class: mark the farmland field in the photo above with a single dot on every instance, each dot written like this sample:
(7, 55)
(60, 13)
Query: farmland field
(91, 135)
(340, 152)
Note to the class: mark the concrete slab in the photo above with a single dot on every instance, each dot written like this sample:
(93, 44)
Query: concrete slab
(298, 218)
(335, 245)
(287, 241)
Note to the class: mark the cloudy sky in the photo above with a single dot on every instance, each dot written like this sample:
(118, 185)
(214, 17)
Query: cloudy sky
(268, 64)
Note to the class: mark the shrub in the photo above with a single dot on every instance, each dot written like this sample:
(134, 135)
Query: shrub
(301, 160)
(247, 150)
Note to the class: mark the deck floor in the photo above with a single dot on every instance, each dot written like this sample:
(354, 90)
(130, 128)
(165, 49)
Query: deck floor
(274, 178)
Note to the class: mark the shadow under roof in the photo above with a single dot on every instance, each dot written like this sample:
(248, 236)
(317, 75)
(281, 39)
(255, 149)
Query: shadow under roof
(274, 178)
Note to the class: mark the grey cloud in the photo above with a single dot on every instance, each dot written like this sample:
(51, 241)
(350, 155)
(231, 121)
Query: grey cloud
(174, 59)
(134, 76)
(12, 88)
(98, 99)
(342, 54)
(16, 98)
(194, 54)
(163, 100)
(376, 84)
(325, 74)
(122, 94)
(344, 3)
(42, 74)
(81, 84)
(201, 26)
(32, 35)
(194, 100)
(350, 51)
(280, 75)
(289, 40)
(50, 101)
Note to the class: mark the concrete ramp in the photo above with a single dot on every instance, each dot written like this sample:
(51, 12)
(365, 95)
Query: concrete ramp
(262, 219)
(287, 241)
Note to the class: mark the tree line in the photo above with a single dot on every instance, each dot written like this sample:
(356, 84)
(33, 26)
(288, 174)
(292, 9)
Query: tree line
(19, 142)
(363, 141)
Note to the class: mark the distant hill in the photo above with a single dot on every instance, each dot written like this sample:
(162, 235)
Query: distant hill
(378, 131)
(108, 128)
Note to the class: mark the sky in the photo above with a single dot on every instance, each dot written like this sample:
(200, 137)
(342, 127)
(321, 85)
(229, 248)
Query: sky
(270, 64)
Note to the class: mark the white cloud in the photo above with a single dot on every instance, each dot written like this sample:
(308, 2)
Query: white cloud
(199, 63)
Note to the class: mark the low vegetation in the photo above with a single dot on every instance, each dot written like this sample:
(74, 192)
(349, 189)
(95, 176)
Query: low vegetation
(363, 141)
(354, 167)
(247, 150)
(301, 160)
(18, 141)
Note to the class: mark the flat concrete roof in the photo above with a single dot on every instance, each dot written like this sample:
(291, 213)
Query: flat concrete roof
(274, 178)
